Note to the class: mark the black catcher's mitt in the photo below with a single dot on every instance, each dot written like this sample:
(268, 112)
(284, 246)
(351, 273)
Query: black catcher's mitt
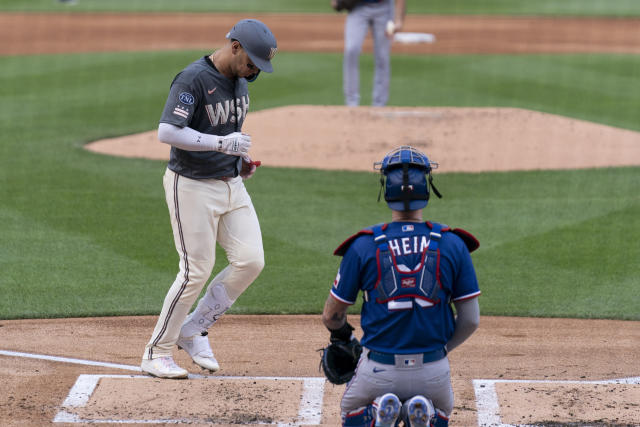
(347, 5)
(340, 358)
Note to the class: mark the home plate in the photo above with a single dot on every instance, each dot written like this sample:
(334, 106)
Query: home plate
(414, 37)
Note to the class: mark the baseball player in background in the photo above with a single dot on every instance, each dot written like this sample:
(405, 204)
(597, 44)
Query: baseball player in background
(208, 203)
(410, 273)
(384, 20)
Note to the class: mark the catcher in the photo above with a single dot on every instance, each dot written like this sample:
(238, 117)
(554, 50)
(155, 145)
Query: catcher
(411, 272)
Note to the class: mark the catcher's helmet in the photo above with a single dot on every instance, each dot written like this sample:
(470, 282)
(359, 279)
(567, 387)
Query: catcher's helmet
(406, 170)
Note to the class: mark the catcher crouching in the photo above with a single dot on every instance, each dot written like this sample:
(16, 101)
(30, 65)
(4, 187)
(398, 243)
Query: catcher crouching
(411, 273)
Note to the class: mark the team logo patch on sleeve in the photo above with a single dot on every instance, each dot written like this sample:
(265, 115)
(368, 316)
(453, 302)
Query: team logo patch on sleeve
(181, 111)
(186, 98)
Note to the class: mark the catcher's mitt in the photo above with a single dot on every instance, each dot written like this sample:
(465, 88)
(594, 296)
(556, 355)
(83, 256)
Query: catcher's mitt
(347, 5)
(339, 360)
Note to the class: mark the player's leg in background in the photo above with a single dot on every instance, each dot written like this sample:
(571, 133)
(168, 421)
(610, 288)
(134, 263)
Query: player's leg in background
(194, 225)
(382, 53)
(355, 30)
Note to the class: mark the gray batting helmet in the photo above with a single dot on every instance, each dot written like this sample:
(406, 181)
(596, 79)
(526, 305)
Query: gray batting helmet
(257, 40)
(406, 186)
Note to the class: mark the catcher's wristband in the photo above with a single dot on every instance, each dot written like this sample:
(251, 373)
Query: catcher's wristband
(342, 334)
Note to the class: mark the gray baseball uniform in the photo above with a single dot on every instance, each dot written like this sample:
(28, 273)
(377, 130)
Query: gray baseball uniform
(208, 203)
(368, 14)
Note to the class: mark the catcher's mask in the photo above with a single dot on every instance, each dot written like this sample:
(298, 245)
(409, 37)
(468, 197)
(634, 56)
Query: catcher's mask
(406, 187)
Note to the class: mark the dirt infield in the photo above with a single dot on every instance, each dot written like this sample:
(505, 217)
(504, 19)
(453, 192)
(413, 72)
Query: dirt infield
(273, 355)
(47, 33)
(459, 139)
(527, 371)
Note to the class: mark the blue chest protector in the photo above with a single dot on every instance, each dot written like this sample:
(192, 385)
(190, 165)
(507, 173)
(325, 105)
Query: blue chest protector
(397, 286)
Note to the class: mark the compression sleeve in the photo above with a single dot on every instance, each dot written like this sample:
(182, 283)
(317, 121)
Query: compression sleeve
(467, 321)
(186, 138)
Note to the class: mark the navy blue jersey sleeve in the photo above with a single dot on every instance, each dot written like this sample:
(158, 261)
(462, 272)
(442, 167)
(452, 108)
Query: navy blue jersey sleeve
(465, 283)
(347, 284)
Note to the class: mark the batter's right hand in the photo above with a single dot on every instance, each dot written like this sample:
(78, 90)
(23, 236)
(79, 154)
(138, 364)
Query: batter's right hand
(234, 144)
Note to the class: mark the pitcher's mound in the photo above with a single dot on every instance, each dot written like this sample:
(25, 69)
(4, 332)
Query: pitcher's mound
(459, 139)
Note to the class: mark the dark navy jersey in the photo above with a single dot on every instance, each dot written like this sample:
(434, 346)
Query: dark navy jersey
(204, 99)
(410, 324)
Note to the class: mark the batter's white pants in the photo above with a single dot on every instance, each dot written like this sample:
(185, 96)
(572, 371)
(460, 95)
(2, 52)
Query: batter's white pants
(204, 212)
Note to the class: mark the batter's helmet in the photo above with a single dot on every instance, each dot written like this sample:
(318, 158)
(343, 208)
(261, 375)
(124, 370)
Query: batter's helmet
(406, 170)
(257, 40)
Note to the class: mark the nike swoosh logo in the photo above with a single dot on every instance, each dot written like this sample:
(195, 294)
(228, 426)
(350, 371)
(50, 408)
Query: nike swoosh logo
(376, 370)
(212, 90)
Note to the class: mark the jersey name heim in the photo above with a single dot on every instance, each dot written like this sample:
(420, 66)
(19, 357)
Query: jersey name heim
(222, 111)
(408, 245)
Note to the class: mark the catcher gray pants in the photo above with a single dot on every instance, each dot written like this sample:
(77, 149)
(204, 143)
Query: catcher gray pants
(373, 379)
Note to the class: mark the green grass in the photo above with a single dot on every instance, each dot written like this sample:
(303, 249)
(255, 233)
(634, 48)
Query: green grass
(506, 7)
(84, 234)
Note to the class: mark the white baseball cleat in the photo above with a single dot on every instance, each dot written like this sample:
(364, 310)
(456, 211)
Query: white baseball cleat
(388, 410)
(420, 411)
(163, 367)
(200, 351)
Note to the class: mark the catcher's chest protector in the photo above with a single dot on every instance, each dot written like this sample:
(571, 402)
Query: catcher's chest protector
(399, 287)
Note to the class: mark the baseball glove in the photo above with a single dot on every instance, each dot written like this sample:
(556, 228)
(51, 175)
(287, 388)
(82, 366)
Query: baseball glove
(339, 360)
(348, 5)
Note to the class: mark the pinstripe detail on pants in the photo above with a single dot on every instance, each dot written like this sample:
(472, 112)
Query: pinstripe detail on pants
(186, 267)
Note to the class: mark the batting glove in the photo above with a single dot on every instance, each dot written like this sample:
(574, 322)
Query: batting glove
(234, 144)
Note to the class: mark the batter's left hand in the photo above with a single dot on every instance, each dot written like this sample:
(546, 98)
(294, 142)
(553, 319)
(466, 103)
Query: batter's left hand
(248, 167)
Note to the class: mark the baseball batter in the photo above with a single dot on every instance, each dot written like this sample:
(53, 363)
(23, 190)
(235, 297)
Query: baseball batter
(208, 203)
(374, 15)
(410, 273)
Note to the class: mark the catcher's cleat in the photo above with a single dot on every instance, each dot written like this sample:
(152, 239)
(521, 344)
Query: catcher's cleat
(388, 408)
(200, 351)
(420, 411)
(163, 367)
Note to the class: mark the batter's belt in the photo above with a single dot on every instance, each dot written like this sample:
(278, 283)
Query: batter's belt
(405, 359)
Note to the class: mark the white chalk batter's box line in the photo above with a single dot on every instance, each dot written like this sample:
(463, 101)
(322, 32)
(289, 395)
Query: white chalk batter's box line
(489, 406)
(309, 413)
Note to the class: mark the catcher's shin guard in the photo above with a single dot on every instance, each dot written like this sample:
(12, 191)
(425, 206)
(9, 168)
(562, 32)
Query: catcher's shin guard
(361, 417)
(440, 420)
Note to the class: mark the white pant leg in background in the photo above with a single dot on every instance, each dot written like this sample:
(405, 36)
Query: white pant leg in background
(355, 30)
(381, 56)
(203, 212)
(367, 16)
